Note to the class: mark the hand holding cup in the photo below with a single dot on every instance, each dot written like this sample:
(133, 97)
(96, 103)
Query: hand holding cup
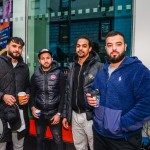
(22, 98)
(93, 98)
(38, 112)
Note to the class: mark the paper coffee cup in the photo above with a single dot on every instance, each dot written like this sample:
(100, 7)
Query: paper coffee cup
(38, 112)
(21, 96)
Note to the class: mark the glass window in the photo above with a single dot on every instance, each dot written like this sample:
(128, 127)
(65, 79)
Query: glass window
(57, 25)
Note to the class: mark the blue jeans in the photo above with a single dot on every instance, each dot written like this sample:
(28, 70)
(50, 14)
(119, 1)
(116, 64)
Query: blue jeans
(56, 131)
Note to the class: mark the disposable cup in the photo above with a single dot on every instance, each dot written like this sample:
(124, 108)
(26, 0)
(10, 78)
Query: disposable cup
(21, 96)
(38, 112)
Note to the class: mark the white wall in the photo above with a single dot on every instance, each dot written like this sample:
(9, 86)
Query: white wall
(141, 40)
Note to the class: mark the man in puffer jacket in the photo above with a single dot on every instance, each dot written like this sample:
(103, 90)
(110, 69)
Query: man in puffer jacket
(14, 78)
(47, 94)
(124, 87)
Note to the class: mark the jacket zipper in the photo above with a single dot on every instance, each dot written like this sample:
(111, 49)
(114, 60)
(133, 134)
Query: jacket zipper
(77, 89)
(46, 86)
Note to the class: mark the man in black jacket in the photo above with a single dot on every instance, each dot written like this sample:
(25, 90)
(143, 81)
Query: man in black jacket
(14, 78)
(81, 75)
(47, 93)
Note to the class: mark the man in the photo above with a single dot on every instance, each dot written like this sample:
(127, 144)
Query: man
(47, 94)
(14, 78)
(81, 74)
(124, 86)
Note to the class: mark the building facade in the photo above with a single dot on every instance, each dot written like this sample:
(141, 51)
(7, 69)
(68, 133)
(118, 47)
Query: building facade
(56, 25)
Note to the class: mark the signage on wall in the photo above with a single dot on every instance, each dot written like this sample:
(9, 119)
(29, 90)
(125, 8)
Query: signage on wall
(5, 15)
(7, 9)
(4, 33)
(105, 27)
(64, 33)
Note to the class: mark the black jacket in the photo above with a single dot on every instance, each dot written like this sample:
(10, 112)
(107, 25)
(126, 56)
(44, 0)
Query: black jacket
(12, 81)
(86, 76)
(47, 90)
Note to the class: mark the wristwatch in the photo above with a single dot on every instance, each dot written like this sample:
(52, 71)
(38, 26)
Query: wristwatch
(59, 114)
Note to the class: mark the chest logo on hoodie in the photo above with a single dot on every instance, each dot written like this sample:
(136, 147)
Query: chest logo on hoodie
(53, 77)
(120, 78)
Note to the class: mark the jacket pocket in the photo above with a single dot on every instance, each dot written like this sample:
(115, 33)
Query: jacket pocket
(99, 117)
(89, 115)
(112, 121)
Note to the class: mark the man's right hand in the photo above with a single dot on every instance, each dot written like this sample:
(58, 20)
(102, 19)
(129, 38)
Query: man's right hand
(65, 123)
(9, 99)
(91, 100)
(33, 109)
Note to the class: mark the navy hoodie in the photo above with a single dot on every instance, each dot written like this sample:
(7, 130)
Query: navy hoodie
(124, 99)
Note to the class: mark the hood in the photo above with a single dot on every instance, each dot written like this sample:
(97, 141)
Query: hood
(54, 64)
(92, 57)
(127, 61)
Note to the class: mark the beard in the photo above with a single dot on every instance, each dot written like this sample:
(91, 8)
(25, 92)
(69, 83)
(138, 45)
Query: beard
(81, 54)
(46, 66)
(116, 59)
(12, 55)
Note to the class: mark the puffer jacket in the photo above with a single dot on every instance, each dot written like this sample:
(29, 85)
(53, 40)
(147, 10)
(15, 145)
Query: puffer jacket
(46, 90)
(93, 67)
(12, 81)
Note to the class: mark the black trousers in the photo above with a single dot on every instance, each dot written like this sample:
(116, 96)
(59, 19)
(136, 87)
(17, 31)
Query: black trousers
(56, 131)
(103, 143)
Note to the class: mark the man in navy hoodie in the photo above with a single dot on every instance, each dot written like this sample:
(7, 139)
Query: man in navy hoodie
(124, 106)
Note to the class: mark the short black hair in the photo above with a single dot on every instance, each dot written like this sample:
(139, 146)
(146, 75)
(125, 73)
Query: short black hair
(89, 41)
(113, 33)
(17, 40)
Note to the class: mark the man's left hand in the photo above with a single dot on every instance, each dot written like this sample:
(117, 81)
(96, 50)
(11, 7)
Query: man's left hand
(55, 119)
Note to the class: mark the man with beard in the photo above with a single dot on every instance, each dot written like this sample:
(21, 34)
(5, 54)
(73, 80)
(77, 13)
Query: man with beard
(14, 78)
(47, 94)
(81, 75)
(124, 87)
